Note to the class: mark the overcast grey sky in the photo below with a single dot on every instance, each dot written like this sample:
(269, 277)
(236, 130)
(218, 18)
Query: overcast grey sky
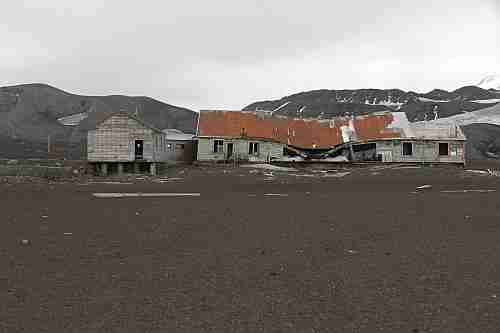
(228, 53)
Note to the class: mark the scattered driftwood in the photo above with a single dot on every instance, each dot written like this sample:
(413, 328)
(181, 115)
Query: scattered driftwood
(479, 172)
(268, 167)
(495, 173)
(424, 187)
(167, 180)
(143, 195)
(468, 191)
(110, 183)
(337, 175)
(275, 195)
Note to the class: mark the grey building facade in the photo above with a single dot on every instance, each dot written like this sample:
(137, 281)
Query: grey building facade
(238, 149)
(123, 141)
(425, 145)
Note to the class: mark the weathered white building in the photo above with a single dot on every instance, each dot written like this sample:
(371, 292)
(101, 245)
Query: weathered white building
(229, 136)
(443, 144)
(123, 141)
(239, 149)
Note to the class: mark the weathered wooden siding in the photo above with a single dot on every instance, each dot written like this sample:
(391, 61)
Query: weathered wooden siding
(267, 150)
(114, 141)
(423, 151)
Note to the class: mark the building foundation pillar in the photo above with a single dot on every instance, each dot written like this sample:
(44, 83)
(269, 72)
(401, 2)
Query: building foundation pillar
(136, 167)
(104, 169)
(152, 169)
(120, 169)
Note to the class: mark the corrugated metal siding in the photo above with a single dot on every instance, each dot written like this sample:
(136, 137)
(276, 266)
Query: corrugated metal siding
(301, 133)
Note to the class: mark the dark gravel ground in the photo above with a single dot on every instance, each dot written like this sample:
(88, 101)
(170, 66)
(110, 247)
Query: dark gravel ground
(359, 253)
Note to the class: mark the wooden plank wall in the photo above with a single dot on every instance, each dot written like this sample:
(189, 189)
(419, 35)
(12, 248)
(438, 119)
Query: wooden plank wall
(114, 141)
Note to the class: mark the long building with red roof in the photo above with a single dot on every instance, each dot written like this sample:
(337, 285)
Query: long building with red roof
(262, 136)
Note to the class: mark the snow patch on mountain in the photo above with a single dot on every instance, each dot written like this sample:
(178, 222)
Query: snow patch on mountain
(396, 105)
(74, 119)
(487, 101)
(423, 99)
(489, 115)
(490, 82)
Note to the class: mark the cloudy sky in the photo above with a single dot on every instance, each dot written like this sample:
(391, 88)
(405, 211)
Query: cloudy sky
(228, 53)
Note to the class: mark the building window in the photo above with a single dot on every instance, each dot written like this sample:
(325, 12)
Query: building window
(169, 146)
(253, 148)
(443, 149)
(179, 146)
(218, 146)
(407, 149)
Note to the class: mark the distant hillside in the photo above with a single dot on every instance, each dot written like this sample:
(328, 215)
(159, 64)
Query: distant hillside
(477, 110)
(483, 141)
(334, 103)
(30, 113)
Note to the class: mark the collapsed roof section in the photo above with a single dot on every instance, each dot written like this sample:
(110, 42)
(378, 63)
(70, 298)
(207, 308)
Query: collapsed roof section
(303, 133)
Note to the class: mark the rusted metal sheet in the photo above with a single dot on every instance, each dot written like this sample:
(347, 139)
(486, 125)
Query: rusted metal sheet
(300, 133)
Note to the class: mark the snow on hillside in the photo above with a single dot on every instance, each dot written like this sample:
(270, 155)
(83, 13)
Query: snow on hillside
(389, 103)
(423, 99)
(490, 82)
(489, 115)
(74, 119)
(487, 101)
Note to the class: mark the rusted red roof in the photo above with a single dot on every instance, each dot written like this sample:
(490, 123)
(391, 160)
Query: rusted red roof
(300, 133)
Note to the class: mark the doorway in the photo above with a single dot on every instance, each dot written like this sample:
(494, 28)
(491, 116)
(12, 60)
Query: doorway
(230, 148)
(139, 149)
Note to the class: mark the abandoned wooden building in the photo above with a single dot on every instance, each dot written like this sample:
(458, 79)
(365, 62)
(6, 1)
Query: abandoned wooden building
(444, 149)
(124, 143)
(230, 136)
(385, 136)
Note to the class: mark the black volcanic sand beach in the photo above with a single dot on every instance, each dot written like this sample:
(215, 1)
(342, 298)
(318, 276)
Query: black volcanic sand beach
(257, 251)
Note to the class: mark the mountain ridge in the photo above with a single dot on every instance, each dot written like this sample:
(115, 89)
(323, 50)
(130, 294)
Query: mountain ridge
(330, 103)
(31, 113)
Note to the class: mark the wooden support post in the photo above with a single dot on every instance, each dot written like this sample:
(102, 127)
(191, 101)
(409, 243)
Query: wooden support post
(152, 169)
(120, 169)
(136, 167)
(351, 151)
(104, 169)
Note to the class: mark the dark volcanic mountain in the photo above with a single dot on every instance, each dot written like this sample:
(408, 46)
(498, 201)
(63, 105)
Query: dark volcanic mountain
(30, 113)
(483, 141)
(334, 103)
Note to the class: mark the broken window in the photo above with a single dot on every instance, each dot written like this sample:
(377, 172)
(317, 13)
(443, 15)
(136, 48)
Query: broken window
(253, 148)
(218, 146)
(443, 149)
(456, 149)
(407, 149)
